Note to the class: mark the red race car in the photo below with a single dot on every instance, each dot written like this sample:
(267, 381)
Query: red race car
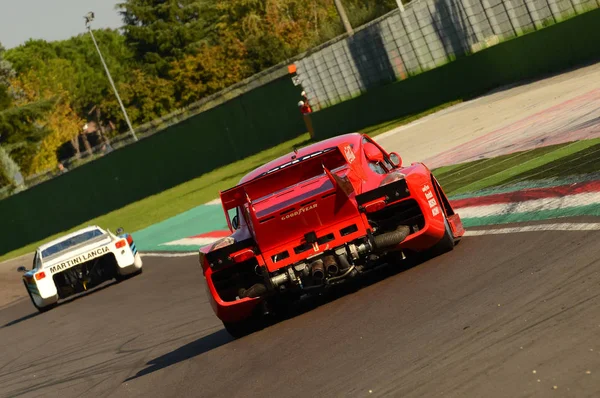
(316, 218)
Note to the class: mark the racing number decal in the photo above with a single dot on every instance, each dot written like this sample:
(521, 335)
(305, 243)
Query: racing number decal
(433, 205)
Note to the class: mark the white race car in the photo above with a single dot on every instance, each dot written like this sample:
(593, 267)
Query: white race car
(77, 262)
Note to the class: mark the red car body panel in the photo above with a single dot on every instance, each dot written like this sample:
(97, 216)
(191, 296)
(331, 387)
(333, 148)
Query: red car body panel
(328, 189)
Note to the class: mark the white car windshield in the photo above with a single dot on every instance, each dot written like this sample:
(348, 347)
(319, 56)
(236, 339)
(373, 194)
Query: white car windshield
(71, 242)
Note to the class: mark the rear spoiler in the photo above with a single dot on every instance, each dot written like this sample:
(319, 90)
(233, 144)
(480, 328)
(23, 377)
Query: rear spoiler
(283, 176)
(288, 174)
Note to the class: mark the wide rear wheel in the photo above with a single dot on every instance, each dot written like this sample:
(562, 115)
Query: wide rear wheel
(37, 307)
(120, 278)
(446, 244)
(242, 328)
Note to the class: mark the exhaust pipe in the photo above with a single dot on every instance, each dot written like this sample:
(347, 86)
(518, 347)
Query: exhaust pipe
(255, 291)
(347, 270)
(343, 259)
(331, 265)
(318, 271)
(390, 239)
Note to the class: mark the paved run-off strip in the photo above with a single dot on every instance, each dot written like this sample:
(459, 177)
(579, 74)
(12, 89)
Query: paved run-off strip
(570, 121)
(206, 224)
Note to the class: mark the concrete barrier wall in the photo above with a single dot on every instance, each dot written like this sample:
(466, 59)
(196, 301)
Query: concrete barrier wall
(427, 34)
(549, 50)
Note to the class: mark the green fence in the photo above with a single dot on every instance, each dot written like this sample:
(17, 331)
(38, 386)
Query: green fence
(254, 121)
(549, 50)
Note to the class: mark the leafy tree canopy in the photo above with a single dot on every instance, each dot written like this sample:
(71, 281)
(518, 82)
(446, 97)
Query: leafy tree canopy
(19, 130)
(86, 81)
(162, 31)
(6, 73)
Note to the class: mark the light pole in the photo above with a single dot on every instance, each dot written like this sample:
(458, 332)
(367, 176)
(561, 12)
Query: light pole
(88, 19)
(344, 17)
(400, 5)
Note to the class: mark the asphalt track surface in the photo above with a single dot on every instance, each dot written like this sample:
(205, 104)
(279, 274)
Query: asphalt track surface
(475, 322)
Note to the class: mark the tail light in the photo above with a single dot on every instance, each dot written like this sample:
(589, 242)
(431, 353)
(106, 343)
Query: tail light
(129, 239)
(40, 275)
(375, 206)
(242, 256)
(120, 243)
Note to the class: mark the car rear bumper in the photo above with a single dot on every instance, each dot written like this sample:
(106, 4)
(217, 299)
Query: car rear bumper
(128, 268)
(233, 311)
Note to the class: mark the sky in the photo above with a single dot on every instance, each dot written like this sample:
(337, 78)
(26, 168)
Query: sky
(52, 19)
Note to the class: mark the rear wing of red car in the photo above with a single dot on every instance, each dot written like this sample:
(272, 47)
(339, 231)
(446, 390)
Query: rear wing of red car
(289, 174)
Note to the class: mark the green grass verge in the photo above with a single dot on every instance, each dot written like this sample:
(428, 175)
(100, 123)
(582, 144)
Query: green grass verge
(555, 161)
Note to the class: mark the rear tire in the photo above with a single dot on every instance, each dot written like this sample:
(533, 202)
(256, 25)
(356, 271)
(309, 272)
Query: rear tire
(121, 278)
(242, 328)
(446, 244)
(40, 309)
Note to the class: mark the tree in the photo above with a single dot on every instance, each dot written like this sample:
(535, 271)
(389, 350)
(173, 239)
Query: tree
(6, 73)
(8, 169)
(19, 134)
(146, 97)
(17, 125)
(63, 125)
(162, 31)
(273, 31)
(51, 82)
(211, 69)
(92, 85)
(86, 82)
(72, 69)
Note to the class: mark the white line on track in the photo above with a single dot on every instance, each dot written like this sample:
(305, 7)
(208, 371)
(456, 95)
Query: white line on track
(536, 228)
(169, 255)
(214, 202)
(191, 242)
